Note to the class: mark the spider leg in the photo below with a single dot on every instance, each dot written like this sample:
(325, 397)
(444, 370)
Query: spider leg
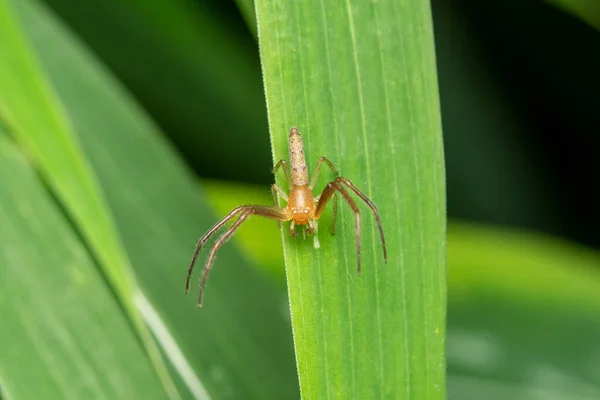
(335, 209)
(275, 188)
(203, 240)
(224, 237)
(265, 211)
(327, 194)
(313, 229)
(315, 176)
(293, 232)
(286, 171)
(371, 206)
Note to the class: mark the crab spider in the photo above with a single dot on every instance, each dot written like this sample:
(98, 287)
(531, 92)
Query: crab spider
(302, 207)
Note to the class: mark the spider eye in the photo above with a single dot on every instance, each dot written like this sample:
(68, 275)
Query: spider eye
(306, 210)
(294, 211)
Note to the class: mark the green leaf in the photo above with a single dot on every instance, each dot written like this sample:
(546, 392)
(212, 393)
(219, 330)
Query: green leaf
(358, 79)
(96, 148)
(523, 316)
(26, 104)
(60, 323)
(519, 267)
(197, 73)
(587, 11)
(246, 8)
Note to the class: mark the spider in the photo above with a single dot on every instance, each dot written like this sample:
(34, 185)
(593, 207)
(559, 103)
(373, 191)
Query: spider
(302, 207)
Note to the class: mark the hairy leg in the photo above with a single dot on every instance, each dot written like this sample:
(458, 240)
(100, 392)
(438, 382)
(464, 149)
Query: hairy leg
(327, 194)
(275, 188)
(371, 206)
(315, 176)
(335, 210)
(286, 171)
(203, 240)
(293, 232)
(265, 211)
(211, 257)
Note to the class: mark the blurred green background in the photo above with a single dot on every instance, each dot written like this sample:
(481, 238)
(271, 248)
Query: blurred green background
(520, 93)
(518, 88)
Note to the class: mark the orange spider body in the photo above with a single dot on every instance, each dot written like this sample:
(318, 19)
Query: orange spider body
(302, 207)
(301, 202)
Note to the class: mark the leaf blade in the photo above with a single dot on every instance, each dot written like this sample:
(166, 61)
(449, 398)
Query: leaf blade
(338, 74)
(55, 305)
(47, 136)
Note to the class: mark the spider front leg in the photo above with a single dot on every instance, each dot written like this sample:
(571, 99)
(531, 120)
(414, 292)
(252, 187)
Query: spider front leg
(245, 211)
(313, 228)
(203, 240)
(293, 232)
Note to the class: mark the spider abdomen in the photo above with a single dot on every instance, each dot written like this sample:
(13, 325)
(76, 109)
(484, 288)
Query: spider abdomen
(297, 159)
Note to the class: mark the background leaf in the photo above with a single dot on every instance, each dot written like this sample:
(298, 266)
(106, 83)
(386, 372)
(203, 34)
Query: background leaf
(193, 68)
(358, 79)
(588, 11)
(523, 316)
(159, 216)
(48, 138)
(55, 306)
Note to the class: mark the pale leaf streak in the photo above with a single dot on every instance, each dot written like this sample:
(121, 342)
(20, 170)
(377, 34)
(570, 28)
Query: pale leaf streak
(169, 346)
(165, 234)
(368, 170)
(342, 221)
(4, 393)
(317, 253)
(384, 83)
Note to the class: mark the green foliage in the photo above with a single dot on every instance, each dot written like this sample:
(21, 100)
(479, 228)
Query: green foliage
(523, 316)
(192, 70)
(588, 11)
(99, 215)
(55, 305)
(48, 138)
